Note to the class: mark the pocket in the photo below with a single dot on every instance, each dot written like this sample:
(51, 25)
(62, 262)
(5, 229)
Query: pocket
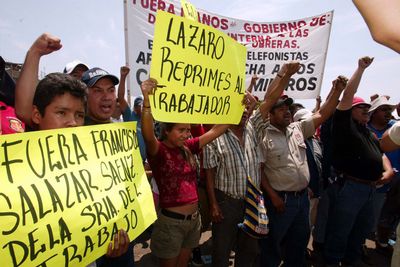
(277, 153)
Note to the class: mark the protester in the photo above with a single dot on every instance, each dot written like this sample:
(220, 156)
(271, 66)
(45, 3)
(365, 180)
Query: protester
(59, 102)
(381, 120)
(131, 115)
(9, 123)
(389, 142)
(287, 177)
(177, 229)
(361, 166)
(76, 69)
(229, 160)
(314, 162)
(101, 95)
(101, 103)
(26, 83)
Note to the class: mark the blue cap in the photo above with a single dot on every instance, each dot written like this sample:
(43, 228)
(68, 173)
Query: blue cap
(138, 101)
(90, 77)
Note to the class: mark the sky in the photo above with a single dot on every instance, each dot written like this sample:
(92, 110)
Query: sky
(93, 32)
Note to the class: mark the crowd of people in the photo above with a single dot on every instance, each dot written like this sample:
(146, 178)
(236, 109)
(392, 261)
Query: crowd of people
(330, 174)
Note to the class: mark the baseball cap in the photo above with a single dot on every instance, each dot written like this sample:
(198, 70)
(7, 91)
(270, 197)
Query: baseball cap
(283, 100)
(90, 77)
(72, 65)
(302, 114)
(380, 101)
(138, 101)
(359, 101)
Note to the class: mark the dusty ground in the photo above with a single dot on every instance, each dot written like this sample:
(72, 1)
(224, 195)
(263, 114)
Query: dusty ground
(144, 258)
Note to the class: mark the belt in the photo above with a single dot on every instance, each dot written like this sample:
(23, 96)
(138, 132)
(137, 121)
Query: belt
(179, 216)
(228, 195)
(293, 193)
(358, 180)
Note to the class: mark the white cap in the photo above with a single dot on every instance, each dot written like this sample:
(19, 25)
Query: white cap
(72, 65)
(302, 114)
(380, 101)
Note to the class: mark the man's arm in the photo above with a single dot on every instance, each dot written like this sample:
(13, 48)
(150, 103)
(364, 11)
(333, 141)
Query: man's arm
(253, 82)
(215, 210)
(352, 85)
(277, 86)
(330, 104)
(318, 102)
(26, 83)
(388, 173)
(383, 20)
(124, 71)
(152, 145)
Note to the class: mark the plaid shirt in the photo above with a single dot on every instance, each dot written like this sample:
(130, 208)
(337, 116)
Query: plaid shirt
(227, 154)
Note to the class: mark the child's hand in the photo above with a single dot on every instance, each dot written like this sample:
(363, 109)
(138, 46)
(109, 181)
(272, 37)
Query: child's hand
(121, 244)
(46, 44)
(148, 87)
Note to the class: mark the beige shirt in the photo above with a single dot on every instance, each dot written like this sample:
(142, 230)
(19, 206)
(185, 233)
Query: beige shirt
(394, 133)
(285, 153)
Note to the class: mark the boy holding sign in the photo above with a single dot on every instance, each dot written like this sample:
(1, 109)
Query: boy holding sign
(59, 101)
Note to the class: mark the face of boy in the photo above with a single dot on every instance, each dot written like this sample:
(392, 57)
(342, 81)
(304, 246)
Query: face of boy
(64, 111)
(102, 100)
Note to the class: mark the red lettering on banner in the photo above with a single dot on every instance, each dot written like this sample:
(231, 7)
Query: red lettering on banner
(154, 5)
(274, 27)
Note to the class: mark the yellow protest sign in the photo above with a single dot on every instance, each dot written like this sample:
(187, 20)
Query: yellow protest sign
(65, 193)
(201, 72)
(189, 10)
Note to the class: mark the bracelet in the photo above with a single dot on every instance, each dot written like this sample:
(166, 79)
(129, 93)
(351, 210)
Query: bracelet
(146, 111)
(146, 106)
(280, 75)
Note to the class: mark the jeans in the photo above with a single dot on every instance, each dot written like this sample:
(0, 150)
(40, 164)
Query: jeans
(396, 250)
(289, 230)
(227, 236)
(349, 222)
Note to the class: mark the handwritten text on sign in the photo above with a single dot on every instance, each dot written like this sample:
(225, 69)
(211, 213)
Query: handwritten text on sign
(65, 193)
(202, 70)
(269, 45)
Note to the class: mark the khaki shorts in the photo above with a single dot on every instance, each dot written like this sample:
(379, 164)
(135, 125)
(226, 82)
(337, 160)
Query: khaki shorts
(171, 235)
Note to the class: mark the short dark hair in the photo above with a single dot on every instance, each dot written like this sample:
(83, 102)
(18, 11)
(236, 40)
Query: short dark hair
(57, 84)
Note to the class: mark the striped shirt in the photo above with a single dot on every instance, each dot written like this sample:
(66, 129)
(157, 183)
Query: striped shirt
(234, 162)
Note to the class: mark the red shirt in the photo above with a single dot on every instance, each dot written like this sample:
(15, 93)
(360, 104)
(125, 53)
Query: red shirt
(9, 123)
(175, 176)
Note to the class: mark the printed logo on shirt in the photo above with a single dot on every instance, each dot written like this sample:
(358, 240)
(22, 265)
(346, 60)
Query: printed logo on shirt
(15, 124)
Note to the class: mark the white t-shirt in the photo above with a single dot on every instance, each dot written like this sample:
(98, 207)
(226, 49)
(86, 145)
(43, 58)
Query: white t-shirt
(394, 133)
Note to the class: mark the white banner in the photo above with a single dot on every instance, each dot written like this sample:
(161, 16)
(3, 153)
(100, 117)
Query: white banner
(269, 45)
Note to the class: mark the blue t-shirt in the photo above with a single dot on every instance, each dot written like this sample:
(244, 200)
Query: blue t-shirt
(129, 115)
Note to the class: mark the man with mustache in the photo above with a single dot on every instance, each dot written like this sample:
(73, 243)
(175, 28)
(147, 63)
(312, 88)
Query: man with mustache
(380, 121)
(228, 161)
(286, 177)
